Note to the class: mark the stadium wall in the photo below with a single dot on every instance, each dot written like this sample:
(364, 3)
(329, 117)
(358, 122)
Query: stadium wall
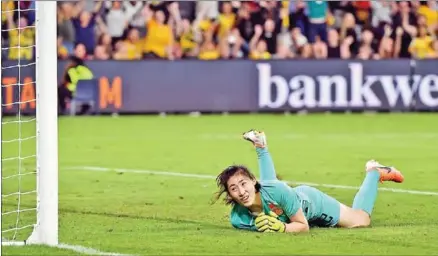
(247, 86)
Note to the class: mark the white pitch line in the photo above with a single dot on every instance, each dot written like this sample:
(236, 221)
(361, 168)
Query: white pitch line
(87, 250)
(204, 176)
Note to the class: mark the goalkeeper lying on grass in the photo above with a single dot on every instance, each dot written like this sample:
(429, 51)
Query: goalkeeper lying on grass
(270, 205)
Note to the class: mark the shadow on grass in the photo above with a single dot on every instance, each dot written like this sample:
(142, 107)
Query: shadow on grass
(202, 224)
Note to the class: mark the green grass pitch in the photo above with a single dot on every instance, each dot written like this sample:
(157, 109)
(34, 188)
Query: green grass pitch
(152, 214)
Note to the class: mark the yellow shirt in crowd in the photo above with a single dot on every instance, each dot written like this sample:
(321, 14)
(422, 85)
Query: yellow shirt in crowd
(6, 6)
(209, 55)
(421, 47)
(187, 41)
(431, 15)
(24, 39)
(159, 37)
(226, 23)
(133, 50)
(260, 56)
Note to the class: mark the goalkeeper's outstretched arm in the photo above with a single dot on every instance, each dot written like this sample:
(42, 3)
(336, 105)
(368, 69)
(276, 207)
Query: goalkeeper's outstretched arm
(298, 223)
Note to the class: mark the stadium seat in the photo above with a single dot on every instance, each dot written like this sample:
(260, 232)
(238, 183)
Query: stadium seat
(86, 93)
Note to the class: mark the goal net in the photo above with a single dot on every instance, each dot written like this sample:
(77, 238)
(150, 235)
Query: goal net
(29, 181)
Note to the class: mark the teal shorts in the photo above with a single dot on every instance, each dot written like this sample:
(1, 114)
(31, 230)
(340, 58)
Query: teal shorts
(325, 210)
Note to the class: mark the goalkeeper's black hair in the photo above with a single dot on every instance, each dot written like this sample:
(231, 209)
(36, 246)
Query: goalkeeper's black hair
(225, 175)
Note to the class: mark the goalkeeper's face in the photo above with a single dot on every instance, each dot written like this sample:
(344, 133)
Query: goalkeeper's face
(242, 189)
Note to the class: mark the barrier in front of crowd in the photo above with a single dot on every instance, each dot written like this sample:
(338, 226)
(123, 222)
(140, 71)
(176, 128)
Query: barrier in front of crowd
(152, 86)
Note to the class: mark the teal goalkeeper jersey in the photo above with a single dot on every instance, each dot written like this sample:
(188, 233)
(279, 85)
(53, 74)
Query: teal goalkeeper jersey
(318, 208)
(277, 197)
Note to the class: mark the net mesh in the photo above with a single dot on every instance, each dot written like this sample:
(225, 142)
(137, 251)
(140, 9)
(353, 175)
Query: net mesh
(18, 140)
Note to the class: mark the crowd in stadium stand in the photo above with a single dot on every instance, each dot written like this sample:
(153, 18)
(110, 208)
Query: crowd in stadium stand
(210, 30)
(18, 33)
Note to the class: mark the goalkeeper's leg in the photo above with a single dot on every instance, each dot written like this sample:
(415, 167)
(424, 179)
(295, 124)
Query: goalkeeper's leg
(266, 165)
(359, 215)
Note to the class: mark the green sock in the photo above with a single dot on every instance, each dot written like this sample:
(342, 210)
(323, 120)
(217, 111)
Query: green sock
(367, 194)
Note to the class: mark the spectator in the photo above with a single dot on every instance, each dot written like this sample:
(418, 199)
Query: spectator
(333, 45)
(367, 38)
(298, 15)
(381, 10)
(318, 11)
(100, 53)
(21, 38)
(226, 20)
(299, 45)
(421, 45)
(207, 9)
(429, 9)
(7, 6)
(209, 49)
(258, 45)
(84, 23)
(348, 29)
(81, 52)
(407, 20)
(116, 20)
(362, 12)
(133, 10)
(283, 52)
(66, 30)
(159, 39)
(105, 42)
(235, 44)
(270, 34)
(244, 24)
(188, 41)
(230, 46)
(120, 51)
(133, 45)
(388, 49)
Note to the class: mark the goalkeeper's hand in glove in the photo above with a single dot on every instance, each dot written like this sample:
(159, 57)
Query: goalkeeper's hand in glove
(269, 223)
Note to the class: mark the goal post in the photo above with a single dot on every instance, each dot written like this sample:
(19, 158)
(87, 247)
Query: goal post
(44, 228)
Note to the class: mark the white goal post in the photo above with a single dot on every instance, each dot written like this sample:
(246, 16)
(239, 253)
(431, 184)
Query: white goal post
(44, 229)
